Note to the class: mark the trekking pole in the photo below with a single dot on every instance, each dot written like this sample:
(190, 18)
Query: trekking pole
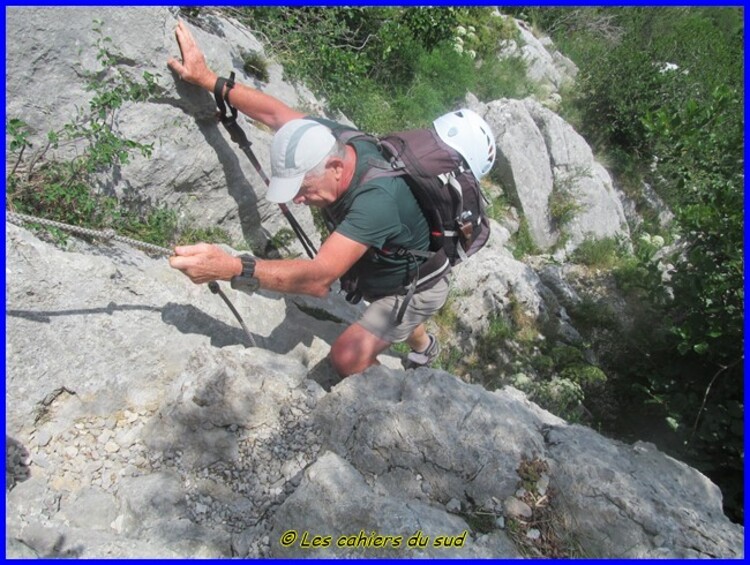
(229, 121)
(214, 287)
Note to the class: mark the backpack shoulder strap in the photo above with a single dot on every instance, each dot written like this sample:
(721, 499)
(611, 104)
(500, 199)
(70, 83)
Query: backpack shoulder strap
(380, 170)
(348, 135)
(377, 168)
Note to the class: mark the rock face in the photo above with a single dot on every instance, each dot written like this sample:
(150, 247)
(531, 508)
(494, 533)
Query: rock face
(140, 424)
(546, 66)
(133, 410)
(551, 173)
(194, 168)
(626, 489)
(493, 282)
(490, 282)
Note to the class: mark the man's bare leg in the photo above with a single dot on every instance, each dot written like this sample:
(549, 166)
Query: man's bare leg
(355, 350)
(419, 340)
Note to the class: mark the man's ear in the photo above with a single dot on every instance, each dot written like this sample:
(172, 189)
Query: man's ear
(337, 164)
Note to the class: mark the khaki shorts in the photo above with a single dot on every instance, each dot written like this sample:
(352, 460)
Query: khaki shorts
(380, 317)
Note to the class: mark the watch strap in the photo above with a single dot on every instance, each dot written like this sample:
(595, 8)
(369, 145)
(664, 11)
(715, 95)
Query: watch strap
(246, 279)
(248, 265)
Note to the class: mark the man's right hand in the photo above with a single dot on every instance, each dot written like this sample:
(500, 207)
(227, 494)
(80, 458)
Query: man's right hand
(204, 263)
(193, 67)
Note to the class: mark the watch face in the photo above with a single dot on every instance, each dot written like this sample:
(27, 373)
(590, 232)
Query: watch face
(245, 283)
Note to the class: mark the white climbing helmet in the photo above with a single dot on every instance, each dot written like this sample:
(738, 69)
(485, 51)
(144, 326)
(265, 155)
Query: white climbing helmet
(466, 132)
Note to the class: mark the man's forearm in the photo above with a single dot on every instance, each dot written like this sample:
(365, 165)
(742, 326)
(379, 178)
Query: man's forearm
(295, 276)
(336, 256)
(204, 262)
(260, 106)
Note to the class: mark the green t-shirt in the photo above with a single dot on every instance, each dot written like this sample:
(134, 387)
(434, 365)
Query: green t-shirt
(383, 214)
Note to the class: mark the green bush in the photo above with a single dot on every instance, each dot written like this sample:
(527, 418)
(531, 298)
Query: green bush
(499, 330)
(379, 114)
(390, 68)
(254, 64)
(566, 355)
(562, 208)
(602, 253)
(560, 396)
(590, 315)
(523, 243)
(584, 375)
(498, 207)
(542, 364)
(503, 78)
(429, 26)
(661, 92)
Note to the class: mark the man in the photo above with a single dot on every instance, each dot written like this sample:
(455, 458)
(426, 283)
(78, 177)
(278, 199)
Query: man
(309, 166)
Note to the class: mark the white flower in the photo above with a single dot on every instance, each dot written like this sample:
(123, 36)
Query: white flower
(458, 47)
(472, 29)
(645, 238)
(471, 53)
(657, 241)
(667, 67)
(458, 41)
(471, 35)
(461, 30)
(520, 380)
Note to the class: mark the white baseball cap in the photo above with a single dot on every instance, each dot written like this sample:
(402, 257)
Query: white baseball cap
(297, 148)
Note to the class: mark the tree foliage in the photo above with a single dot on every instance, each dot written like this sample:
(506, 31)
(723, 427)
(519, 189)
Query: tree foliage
(664, 86)
(388, 68)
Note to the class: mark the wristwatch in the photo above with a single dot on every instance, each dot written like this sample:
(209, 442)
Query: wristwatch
(246, 280)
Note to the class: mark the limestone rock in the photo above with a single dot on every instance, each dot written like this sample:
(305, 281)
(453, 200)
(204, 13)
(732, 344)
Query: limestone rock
(194, 166)
(541, 157)
(546, 65)
(639, 501)
(335, 503)
(224, 439)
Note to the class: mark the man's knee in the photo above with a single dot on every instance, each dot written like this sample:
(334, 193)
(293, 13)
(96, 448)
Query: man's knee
(348, 358)
(355, 350)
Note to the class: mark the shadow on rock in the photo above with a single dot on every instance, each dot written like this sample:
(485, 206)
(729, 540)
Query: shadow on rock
(17, 461)
(202, 106)
(324, 374)
(58, 550)
(190, 320)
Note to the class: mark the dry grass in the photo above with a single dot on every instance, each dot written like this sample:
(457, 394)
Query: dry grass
(554, 538)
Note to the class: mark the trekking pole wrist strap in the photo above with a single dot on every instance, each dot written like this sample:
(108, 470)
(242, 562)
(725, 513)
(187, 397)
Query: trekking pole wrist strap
(221, 95)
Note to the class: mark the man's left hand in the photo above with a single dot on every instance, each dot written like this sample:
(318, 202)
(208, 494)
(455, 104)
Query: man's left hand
(193, 67)
(204, 263)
